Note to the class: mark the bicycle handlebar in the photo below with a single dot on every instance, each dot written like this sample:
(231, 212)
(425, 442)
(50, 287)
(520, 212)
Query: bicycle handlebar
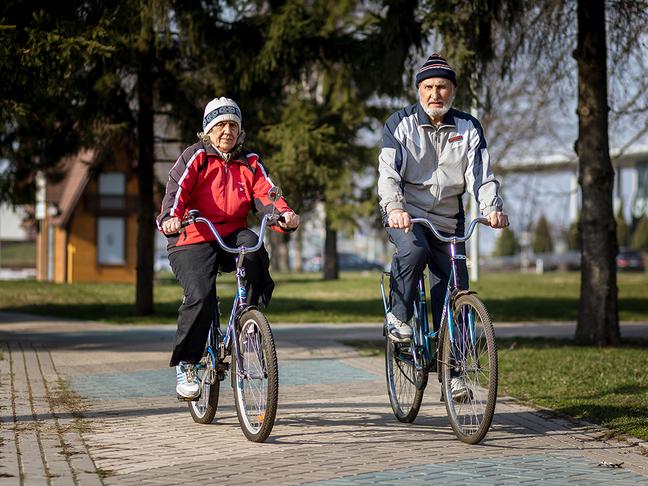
(449, 239)
(192, 218)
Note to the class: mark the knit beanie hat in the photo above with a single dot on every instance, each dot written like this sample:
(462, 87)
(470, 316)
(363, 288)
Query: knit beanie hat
(221, 109)
(436, 67)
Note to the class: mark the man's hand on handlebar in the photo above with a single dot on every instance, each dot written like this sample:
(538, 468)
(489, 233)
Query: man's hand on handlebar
(497, 219)
(400, 219)
(171, 226)
(289, 220)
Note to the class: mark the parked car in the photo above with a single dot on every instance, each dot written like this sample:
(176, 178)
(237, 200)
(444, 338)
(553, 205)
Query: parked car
(630, 260)
(346, 261)
(351, 261)
(312, 264)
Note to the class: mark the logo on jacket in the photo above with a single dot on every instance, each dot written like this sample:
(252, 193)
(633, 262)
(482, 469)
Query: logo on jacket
(455, 139)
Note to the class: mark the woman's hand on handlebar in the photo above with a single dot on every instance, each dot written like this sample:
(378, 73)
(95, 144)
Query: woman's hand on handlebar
(289, 220)
(497, 219)
(399, 219)
(171, 226)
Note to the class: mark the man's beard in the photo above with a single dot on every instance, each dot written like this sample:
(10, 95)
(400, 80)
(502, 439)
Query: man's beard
(439, 112)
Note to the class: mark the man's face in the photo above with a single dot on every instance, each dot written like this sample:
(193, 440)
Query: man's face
(436, 96)
(224, 135)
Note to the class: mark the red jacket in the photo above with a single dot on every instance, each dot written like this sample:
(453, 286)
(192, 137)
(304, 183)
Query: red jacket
(223, 192)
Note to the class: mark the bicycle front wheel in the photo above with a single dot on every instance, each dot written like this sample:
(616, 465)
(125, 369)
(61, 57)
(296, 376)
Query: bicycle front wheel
(469, 370)
(203, 410)
(405, 384)
(256, 376)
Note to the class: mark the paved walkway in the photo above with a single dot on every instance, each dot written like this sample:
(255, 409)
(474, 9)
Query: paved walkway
(88, 403)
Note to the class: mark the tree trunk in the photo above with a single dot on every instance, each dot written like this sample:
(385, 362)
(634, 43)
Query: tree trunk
(331, 271)
(298, 265)
(598, 320)
(145, 176)
(278, 251)
(284, 254)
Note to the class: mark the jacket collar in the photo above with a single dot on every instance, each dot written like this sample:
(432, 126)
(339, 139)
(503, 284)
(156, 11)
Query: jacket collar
(239, 157)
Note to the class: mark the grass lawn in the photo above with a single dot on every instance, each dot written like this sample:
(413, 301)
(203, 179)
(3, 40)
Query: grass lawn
(607, 386)
(306, 298)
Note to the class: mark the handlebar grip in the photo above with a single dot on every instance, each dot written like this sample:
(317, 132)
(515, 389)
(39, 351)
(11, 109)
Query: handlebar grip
(190, 218)
(274, 220)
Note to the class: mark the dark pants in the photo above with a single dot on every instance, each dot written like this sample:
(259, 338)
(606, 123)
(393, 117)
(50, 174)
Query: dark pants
(414, 250)
(196, 267)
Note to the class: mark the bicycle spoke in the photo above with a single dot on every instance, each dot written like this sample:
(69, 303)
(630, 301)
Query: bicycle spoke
(257, 388)
(472, 358)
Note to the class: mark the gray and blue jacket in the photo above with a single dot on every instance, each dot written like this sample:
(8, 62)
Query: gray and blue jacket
(425, 169)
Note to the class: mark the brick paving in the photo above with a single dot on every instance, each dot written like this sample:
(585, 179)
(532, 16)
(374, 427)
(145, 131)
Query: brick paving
(89, 403)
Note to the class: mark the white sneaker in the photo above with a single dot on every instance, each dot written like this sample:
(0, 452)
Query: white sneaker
(458, 388)
(186, 381)
(397, 329)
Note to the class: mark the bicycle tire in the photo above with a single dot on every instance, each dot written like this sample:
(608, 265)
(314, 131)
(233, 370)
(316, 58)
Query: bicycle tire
(204, 409)
(405, 385)
(256, 387)
(475, 360)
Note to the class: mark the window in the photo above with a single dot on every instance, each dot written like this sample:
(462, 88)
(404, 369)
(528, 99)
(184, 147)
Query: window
(112, 184)
(111, 238)
(112, 189)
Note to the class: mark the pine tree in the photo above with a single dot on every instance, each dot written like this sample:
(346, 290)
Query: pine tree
(507, 243)
(542, 241)
(640, 234)
(573, 236)
(623, 230)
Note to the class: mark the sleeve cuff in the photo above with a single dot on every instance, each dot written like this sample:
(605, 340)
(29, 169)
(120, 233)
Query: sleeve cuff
(394, 205)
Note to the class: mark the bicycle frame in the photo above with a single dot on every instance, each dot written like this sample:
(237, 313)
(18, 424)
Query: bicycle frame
(424, 344)
(215, 337)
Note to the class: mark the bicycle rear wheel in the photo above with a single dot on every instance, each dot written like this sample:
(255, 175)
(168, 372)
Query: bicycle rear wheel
(470, 356)
(203, 410)
(256, 382)
(405, 385)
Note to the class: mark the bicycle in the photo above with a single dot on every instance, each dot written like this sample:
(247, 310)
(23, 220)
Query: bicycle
(248, 340)
(464, 347)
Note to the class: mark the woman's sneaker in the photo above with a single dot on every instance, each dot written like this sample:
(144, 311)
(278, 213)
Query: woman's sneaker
(187, 387)
(398, 330)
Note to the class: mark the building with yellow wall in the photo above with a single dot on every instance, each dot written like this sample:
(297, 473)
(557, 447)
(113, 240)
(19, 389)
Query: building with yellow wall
(87, 222)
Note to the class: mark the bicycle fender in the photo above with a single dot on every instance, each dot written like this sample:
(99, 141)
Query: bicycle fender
(458, 293)
(245, 309)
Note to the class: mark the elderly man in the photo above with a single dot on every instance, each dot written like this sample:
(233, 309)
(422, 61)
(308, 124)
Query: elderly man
(431, 154)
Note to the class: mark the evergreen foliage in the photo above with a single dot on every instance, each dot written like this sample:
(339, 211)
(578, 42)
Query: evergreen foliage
(573, 236)
(622, 229)
(507, 243)
(640, 234)
(542, 241)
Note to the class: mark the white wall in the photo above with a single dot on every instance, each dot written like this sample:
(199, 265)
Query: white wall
(10, 221)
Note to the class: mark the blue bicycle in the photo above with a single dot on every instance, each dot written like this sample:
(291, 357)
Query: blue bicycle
(463, 349)
(248, 340)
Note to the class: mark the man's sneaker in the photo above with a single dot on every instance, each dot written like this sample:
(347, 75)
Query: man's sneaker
(459, 389)
(187, 386)
(398, 330)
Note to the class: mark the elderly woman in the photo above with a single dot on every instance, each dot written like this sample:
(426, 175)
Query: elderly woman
(224, 182)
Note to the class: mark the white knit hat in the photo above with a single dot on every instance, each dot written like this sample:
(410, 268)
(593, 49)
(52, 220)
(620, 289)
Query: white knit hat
(221, 109)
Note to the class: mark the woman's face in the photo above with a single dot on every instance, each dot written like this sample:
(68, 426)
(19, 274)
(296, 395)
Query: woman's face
(224, 135)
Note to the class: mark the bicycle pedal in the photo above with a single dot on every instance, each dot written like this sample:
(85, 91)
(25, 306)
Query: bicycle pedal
(220, 375)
